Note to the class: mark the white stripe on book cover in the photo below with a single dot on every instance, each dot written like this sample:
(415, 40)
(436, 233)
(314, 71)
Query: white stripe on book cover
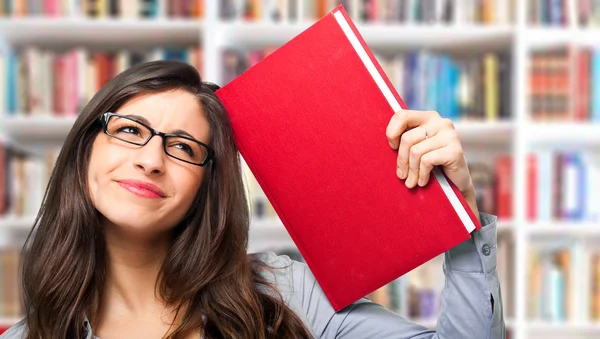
(387, 93)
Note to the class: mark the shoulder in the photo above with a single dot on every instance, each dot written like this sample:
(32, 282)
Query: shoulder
(302, 293)
(287, 275)
(299, 288)
(291, 278)
(17, 331)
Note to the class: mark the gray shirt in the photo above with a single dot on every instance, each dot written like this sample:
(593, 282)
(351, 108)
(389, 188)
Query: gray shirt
(466, 307)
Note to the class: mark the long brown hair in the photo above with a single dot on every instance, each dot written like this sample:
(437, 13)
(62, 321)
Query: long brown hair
(206, 268)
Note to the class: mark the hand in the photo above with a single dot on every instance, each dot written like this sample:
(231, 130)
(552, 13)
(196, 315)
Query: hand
(417, 155)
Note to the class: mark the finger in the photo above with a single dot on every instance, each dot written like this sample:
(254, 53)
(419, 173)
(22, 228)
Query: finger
(407, 141)
(403, 120)
(438, 157)
(440, 140)
(412, 137)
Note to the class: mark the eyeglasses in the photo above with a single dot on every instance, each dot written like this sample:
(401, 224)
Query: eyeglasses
(177, 146)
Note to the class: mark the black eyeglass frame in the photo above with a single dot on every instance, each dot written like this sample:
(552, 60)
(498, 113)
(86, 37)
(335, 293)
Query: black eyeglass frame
(106, 116)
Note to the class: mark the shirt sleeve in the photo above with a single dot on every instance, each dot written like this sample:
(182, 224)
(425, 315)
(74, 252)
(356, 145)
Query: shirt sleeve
(17, 331)
(471, 305)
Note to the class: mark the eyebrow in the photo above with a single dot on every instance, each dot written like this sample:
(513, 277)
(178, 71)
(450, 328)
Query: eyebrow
(145, 121)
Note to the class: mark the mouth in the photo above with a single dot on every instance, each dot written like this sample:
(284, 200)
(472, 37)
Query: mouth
(142, 189)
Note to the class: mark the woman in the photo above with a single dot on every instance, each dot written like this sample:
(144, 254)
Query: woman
(144, 234)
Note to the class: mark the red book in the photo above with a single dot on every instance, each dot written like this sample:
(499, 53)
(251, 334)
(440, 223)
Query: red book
(504, 187)
(3, 329)
(310, 122)
(532, 187)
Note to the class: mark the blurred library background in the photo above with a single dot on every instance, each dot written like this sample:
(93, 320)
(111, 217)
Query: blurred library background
(520, 79)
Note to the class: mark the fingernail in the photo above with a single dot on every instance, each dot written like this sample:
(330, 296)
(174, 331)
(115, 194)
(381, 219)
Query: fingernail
(408, 182)
(404, 174)
(400, 173)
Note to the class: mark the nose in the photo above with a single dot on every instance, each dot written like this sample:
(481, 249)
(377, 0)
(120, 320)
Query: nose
(150, 158)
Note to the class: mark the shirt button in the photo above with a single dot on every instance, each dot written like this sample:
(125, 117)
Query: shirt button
(486, 250)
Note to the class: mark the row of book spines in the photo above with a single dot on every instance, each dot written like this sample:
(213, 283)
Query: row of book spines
(565, 85)
(10, 291)
(477, 88)
(23, 180)
(479, 11)
(39, 81)
(493, 185)
(563, 186)
(406, 299)
(551, 286)
(403, 11)
(589, 13)
(549, 12)
(553, 290)
(104, 8)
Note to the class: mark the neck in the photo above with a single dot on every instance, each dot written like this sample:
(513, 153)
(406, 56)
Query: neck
(133, 264)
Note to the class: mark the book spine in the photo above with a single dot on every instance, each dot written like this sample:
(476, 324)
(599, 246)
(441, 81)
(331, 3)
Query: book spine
(595, 95)
(532, 189)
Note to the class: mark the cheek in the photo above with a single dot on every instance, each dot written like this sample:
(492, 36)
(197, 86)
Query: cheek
(188, 184)
(99, 167)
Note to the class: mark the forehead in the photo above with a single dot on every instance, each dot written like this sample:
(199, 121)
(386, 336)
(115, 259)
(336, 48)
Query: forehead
(166, 111)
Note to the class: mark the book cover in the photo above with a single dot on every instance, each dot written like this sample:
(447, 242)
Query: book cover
(310, 122)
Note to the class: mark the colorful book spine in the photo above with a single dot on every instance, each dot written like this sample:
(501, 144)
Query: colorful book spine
(595, 95)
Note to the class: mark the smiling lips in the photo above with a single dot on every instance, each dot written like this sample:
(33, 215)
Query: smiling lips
(142, 188)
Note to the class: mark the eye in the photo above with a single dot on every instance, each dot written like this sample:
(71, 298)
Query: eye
(129, 130)
(185, 147)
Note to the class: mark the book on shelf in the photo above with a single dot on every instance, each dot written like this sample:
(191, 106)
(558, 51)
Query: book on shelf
(473, 88)
(23, 180)
(563, 281)
(11, 305)
(493, 186)
(563, 186)
(554, 13)
(331, 186)
(121, 9)
(39, 81)
(373, 11)
(564, 84)
(588, 13)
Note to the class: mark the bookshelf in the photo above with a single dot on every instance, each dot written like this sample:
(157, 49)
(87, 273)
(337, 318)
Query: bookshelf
(517, 136)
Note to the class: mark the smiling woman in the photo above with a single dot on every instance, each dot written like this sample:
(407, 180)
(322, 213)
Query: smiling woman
(144, 229)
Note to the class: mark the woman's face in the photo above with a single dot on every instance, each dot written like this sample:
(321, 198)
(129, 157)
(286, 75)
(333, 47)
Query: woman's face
(115, 164)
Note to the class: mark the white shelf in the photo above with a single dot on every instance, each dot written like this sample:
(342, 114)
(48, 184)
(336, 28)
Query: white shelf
(500, 132)
(16, 223)
(539, 38)
(582, 229)
(46, 126)
(377, 35)
(564, 326)
(69, 31)
(563, 134)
